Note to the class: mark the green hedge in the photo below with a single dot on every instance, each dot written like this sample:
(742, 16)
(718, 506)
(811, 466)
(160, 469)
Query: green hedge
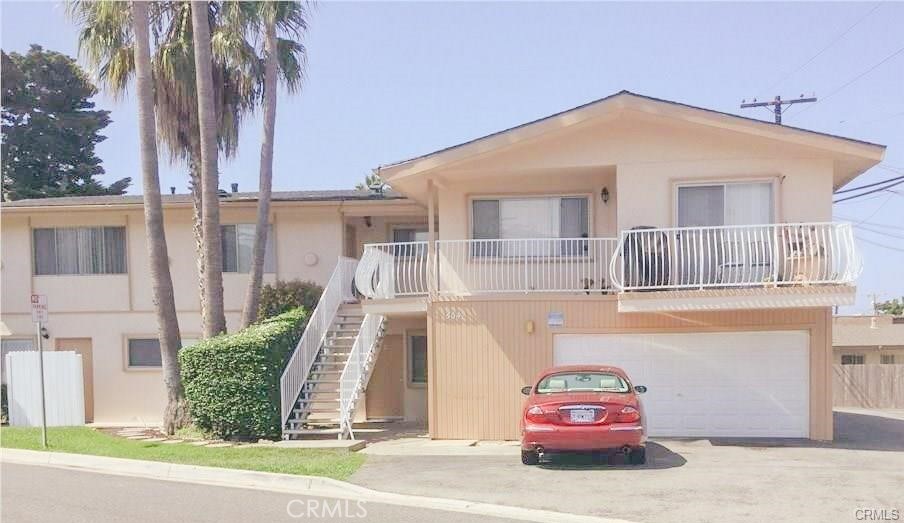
(232, 381)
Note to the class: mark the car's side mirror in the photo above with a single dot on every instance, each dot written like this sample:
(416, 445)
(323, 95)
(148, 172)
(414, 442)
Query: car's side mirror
(526, 390)
(640, 389)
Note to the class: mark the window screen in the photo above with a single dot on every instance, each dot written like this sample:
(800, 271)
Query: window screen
(417, 352)
(144, 352)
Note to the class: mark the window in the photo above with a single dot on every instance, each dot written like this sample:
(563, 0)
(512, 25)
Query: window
(582, 382)
(12, 345)
(533, 217)
(145, 352)
(725, 204)
(887, 359)
(79, 250)
(238, 242)
(407, 235)
(852, 359)
(417, 358)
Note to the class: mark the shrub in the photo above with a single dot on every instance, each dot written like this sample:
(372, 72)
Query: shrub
(232, 381)
(283, 296)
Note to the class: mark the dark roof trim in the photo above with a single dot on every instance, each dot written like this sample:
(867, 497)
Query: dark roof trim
(644, 97)
(277, 196)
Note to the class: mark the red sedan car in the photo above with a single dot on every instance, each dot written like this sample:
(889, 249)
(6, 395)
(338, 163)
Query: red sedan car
(583, 408)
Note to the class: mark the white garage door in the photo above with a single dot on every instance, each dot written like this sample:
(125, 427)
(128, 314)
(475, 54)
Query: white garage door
(746, 384)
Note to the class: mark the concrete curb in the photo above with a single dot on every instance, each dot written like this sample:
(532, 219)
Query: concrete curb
(286, 483)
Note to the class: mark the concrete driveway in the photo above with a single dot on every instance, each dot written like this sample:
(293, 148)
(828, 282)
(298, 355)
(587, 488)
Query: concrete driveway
(686, 481)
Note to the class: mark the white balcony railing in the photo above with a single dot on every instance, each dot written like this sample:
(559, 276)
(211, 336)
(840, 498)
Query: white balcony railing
(785, 254)
(466, 267)
(337, 290)
(388, 270)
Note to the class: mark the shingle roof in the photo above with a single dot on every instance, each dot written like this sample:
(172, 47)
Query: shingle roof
(277, 196)
(858, 331)
(645, 97)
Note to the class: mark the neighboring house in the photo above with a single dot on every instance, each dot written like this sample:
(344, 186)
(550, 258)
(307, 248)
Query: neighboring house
(860, 340)
(87, 254)
(693, 248)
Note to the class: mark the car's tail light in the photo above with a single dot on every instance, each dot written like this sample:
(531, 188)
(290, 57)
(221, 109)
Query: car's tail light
(627, 415)
(535, 414)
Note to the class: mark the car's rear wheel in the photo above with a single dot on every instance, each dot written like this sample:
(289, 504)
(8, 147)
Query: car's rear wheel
(530, 457)
(638, 456)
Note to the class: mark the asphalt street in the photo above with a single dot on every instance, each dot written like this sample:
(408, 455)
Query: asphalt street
(37, 494)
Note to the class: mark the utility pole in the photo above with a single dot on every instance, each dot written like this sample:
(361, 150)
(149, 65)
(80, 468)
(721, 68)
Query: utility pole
(777, 105)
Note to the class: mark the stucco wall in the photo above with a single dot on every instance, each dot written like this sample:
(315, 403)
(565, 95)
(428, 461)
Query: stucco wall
(110, 308)
(639, 160)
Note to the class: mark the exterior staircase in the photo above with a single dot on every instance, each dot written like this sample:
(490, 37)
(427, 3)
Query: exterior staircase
(317, 410)
(327, 374)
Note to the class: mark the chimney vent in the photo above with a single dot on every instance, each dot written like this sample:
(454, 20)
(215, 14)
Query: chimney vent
(235, 187)
(172, 190)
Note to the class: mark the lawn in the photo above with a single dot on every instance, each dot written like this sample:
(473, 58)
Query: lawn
(84, 440)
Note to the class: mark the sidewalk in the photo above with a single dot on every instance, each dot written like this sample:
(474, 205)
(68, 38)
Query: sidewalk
(286, 483)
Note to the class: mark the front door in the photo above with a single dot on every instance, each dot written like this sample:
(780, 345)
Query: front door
(83, 347)
(387, 383)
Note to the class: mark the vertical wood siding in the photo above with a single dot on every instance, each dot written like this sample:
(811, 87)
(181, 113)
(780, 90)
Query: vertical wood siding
(481, 353)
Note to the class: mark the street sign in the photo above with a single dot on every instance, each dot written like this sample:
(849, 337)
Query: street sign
(39, 308)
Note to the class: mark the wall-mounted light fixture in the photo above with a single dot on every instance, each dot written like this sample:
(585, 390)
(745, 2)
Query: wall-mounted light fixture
(604, 194)
(367, 221)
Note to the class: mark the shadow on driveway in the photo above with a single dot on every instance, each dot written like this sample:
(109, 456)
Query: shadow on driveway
(658, 457)
(852, 432)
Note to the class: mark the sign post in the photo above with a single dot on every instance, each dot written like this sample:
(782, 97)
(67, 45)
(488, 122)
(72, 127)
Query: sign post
(39, 317)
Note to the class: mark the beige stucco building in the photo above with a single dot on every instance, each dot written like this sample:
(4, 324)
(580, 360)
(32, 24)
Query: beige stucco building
(867, 340)
(693, 248)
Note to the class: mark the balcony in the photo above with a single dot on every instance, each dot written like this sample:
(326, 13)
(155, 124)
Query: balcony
(650, 269)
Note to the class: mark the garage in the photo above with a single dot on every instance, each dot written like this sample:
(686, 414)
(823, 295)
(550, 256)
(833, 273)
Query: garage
(728, 384)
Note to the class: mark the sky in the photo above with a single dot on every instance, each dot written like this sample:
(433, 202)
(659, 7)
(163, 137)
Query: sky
(388, 81)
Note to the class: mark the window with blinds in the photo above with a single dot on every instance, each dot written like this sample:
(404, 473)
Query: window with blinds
(79, 250)
(238, 245)
(536, 218)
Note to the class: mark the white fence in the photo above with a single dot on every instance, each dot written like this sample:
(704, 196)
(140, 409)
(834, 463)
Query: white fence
(468, 267)
(337, 291)
(784, 254)
(388, 270)
(63, 386)
(357, 369)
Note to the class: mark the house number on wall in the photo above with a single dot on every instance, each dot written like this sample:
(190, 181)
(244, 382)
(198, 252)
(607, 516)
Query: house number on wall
(453, 314)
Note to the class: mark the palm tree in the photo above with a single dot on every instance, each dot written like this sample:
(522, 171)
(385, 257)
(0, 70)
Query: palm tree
(214, 320)
(286, 56)
(176, 413)
(105, 40)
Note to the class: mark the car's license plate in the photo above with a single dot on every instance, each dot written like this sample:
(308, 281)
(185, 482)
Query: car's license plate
(581, 416)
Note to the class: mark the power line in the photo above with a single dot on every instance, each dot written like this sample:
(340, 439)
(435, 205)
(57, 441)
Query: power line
(899, 182)
(882, 233)
(872, 224)
(824, 49)
(859, 76)
(870, 185)
(877, 244)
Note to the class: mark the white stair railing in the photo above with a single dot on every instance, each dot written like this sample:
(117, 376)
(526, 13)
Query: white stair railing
(731, 256)
(337, 291)
(388, 270)
(357, 370)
